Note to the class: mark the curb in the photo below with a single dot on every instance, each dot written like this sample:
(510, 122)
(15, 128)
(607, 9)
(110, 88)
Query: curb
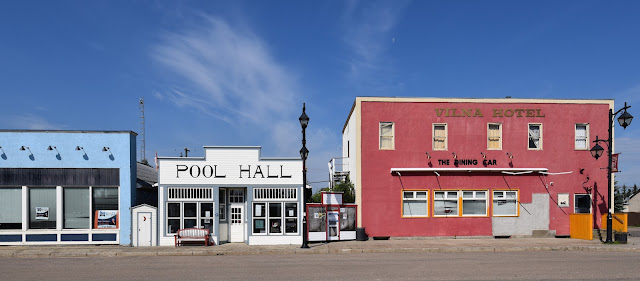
(60, 253)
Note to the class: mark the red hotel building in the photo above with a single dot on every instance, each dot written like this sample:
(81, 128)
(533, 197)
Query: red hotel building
(475, 167)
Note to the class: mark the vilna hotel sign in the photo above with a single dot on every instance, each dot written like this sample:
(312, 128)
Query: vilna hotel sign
(500, 112)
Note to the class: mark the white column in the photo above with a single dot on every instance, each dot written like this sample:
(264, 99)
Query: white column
(59, 208)
(25, 209)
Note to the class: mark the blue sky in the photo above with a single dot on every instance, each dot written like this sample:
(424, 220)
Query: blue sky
(237, 72)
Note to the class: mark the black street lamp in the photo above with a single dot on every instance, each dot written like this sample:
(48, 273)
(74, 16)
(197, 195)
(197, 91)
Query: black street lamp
(304, 153)
(596, 151)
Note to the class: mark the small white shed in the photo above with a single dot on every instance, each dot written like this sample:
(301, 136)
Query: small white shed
(144, 226)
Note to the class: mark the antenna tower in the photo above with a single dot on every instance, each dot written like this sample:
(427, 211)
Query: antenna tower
(143, 154)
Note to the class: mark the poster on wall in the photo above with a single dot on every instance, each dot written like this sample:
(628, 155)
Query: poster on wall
(563, 200)
(42, 213)
(106, 219)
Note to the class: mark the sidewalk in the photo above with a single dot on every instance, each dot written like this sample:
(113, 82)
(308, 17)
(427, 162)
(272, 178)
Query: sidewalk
(340, 247)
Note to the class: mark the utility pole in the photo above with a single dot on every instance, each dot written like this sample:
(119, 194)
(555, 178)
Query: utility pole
(143, 155)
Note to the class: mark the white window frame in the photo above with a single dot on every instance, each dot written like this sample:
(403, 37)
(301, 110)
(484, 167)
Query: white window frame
(475, 197)
(271, 216)
(586, 136)
(392, 137)
(575, 201)
(433, 137)
(167, 217)
(446, 198)
(287, 216)
(182, 217)
(264, 217)
(499, 136)
(540, 141)
(267, 216)
(414, 198)
(516, 200)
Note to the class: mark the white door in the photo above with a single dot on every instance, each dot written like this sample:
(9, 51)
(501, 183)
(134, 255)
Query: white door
(144, 229)
(236, 215)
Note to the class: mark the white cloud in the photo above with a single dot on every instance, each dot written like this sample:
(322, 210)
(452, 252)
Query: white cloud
(30, 121)
(368, 34)
(223, 72)
(231, 72)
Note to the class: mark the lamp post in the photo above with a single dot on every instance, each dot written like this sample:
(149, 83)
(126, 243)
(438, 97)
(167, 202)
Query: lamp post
(596, 151)
(304, 153)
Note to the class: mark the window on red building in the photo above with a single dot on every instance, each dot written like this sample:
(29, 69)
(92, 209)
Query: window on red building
(445, 204)
(535, 136)
(439, 136)
(582, 136)
(415, 203)
(582, 204)
(474, 203)
(386, 136)
(505, 203)
(494, 136)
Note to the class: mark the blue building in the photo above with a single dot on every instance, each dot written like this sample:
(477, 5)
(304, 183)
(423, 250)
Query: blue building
(66, 187)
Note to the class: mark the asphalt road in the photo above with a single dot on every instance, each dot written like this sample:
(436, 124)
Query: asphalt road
(544, 265)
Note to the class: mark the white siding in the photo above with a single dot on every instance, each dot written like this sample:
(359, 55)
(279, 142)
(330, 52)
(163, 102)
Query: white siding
(224, 232)
(275, 240)
(349, 148)
(634, 204)
(163, 239)
(227, 162)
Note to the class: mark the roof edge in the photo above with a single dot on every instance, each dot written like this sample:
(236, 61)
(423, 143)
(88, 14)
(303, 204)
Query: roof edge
(67, 131)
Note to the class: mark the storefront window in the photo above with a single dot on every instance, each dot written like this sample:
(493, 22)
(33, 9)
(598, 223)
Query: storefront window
(206, 216)
(291, 217)
(105, 199)
(474, 203)
(173, 217)
(505, 203)
(181, 215)
(414, 204)
(275, 217)
(190, 215)
(42, 208)
(259, 213)
(11, 208)
(445, 203)
(76, 213)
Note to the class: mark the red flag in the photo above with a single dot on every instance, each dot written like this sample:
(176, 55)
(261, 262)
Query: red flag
(614, 163)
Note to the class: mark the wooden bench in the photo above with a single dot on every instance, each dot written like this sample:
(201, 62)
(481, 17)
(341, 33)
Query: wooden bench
(192, 235)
